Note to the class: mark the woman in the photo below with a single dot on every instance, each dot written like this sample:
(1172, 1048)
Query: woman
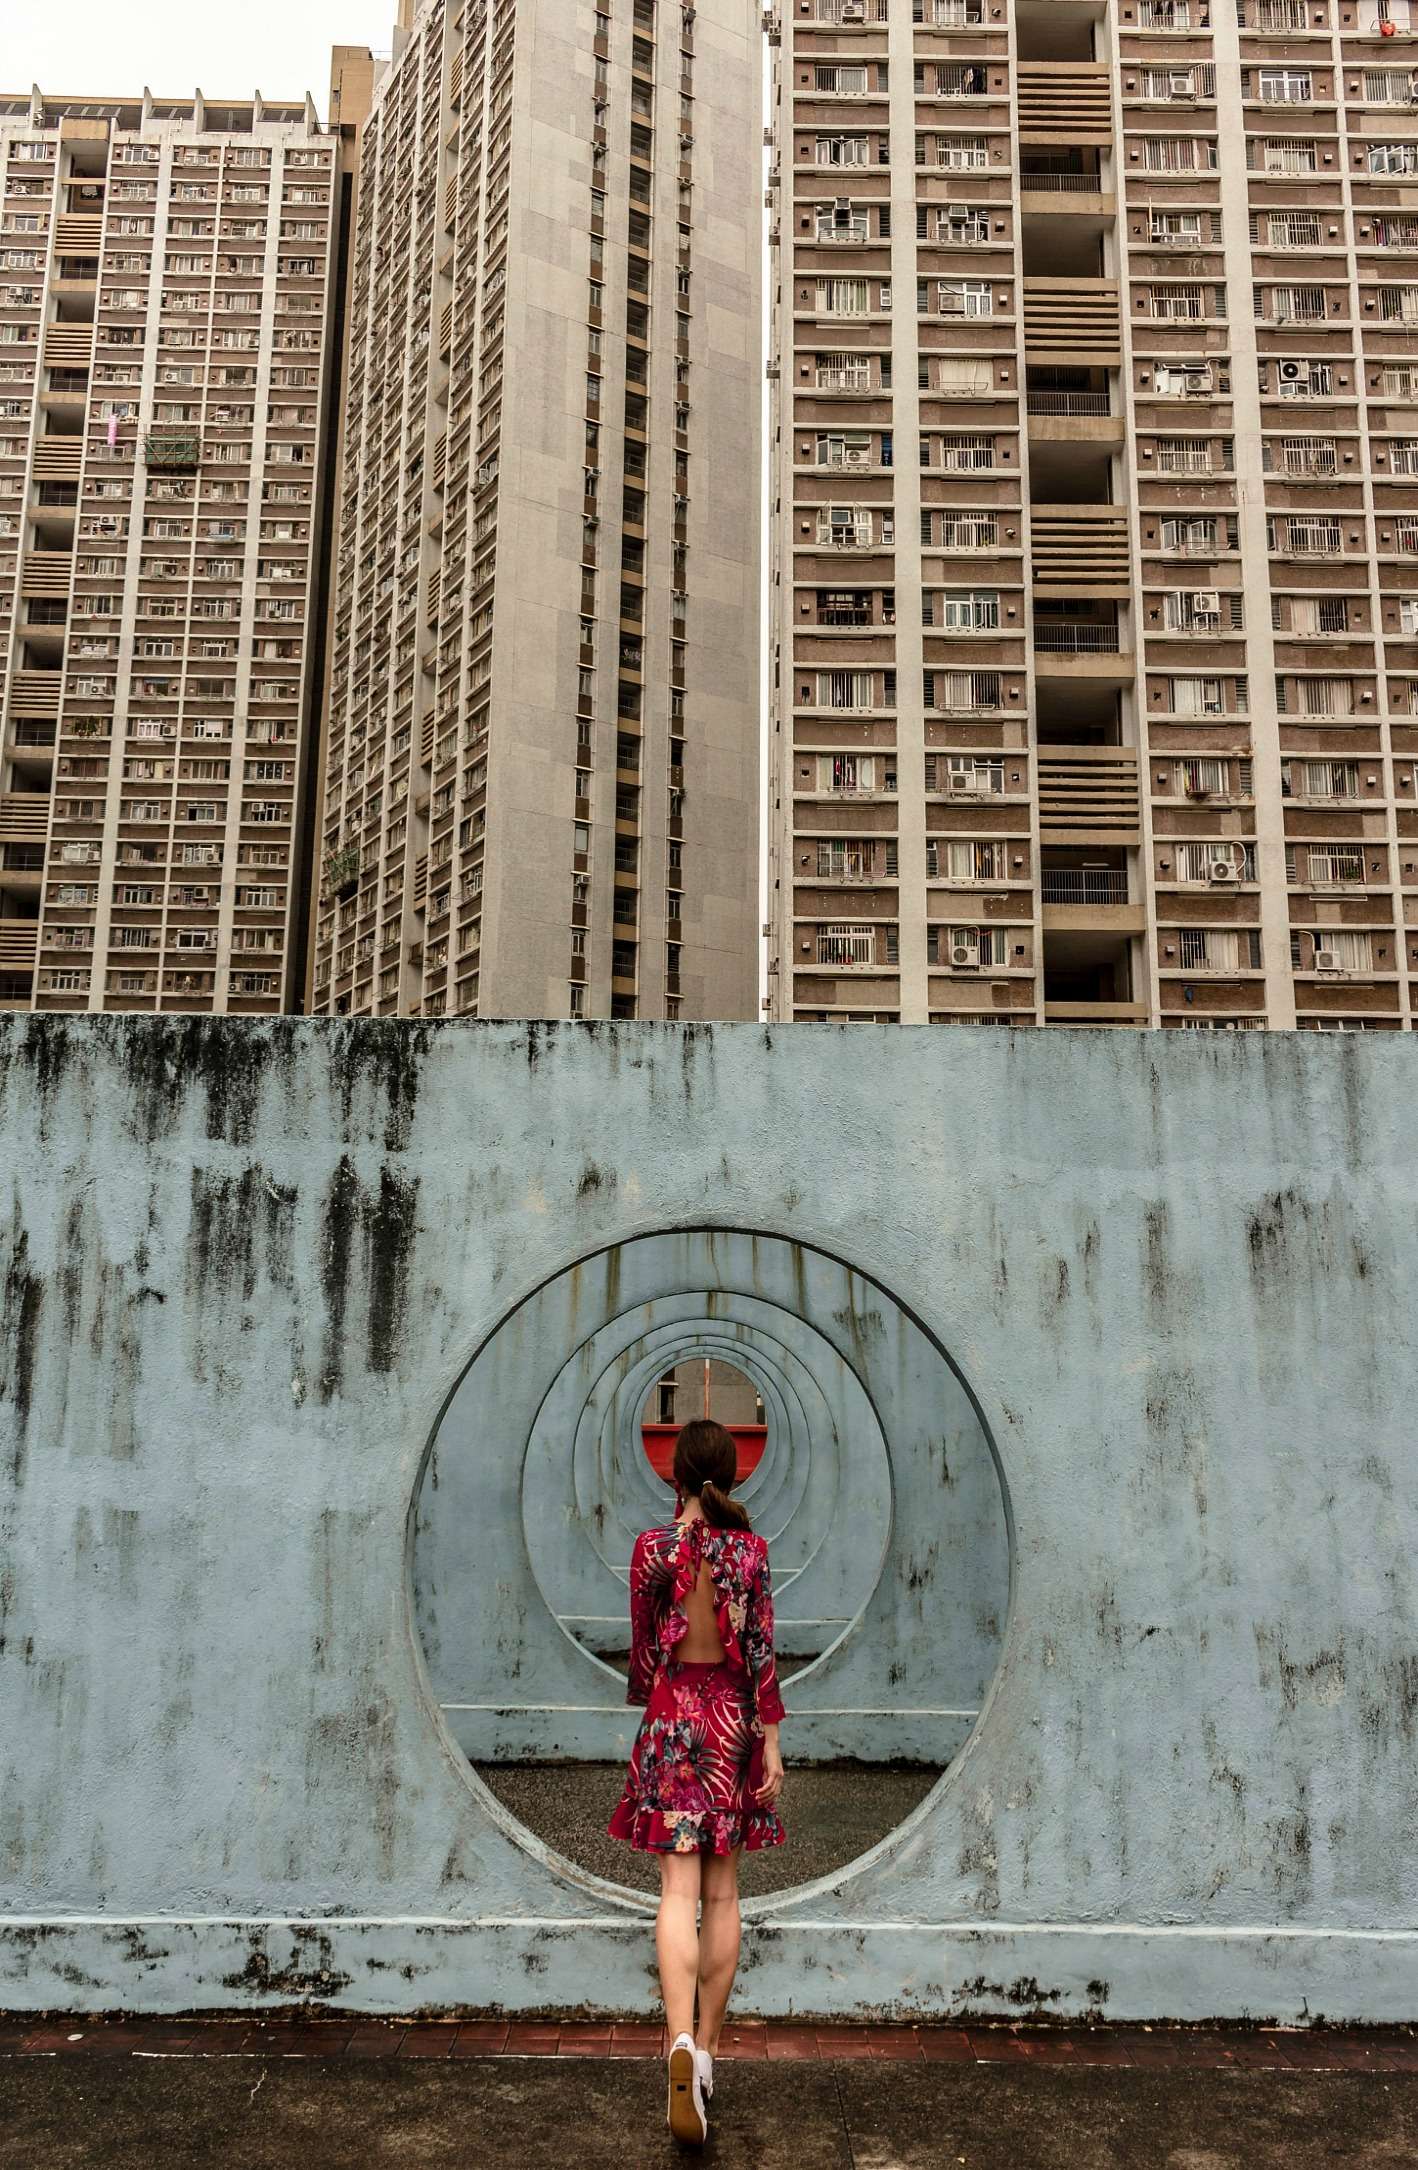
(705, 1771)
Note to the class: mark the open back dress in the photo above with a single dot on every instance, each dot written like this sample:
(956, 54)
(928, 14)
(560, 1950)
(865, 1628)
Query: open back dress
(698, 1756)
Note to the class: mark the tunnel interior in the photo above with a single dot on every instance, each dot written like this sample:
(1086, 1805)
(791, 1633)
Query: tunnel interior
(866, 1465)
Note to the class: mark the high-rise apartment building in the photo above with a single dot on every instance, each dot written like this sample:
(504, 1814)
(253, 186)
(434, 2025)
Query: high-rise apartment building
(1095, 543)
(167, 272)
(541, 774)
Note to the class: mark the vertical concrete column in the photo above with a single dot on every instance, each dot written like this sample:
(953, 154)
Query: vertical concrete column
(1250, 509)
(906, 489)
(1353, 209)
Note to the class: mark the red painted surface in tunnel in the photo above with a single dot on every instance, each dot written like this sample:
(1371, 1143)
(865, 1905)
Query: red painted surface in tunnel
(750, 1439)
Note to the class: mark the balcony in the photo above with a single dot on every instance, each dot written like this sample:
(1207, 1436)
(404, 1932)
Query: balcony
(68, 346)
(1052, 192)
(58, 459)
(24, 817)
(1094, 1011)
(19, 944)
(36, 693)
(1080, 550)
(78, 233)
(1073, 320)
(46, 573)
(1064, 101)
(1089, 795)
(1087, 648)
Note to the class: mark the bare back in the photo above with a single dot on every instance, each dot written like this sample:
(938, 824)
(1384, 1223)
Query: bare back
(700, 1643)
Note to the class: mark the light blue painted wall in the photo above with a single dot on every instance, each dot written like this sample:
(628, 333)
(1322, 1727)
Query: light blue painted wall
(245, 1266)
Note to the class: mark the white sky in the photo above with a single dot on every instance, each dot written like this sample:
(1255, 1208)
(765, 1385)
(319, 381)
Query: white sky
(104, 48)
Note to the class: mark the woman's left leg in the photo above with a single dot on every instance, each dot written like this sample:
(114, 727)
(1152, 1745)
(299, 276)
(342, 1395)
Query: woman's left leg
(719, 1935)
(677, 1940)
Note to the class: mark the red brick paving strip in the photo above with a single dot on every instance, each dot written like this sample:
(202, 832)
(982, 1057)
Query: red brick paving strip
(1388, 2049)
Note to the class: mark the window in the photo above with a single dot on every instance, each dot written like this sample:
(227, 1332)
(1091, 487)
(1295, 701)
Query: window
(962, 859)
(960, 452)
(1178, 154)
(1310, 535)
(842, 151)
(969, 611)
(1286, 86)
(845, 526)
(1333, 866)
(1178, 303)
(840, 81)
(965, 297)
(1292, 304)
(848, 773)
(961, 530)
(1390, 86)
(961, 154)
(846, 945)
(843, 297)
(961, 691)
(1175, 229)
(1190, 537)
(851, 448)
(1196, 697)
(845, 689)
(1319, 779)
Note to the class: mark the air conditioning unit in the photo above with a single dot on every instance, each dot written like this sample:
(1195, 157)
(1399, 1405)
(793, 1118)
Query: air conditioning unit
(1293, 372)
(1222, 870)
(964, 956)
(1326, 960)
(1206, 607)
(1197, 381)
(959, 780)
(854, 11)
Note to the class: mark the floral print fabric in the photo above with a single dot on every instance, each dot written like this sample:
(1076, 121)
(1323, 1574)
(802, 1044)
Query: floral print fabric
(698, 1754)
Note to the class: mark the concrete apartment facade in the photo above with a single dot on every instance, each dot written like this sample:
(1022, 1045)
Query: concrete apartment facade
(540, 790)
(1095, 533)
(168, 274)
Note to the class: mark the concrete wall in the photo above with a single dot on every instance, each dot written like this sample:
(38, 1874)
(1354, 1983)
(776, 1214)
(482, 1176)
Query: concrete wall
(246, 1269)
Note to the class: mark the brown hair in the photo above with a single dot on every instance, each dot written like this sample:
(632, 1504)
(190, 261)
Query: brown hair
(706, 1468)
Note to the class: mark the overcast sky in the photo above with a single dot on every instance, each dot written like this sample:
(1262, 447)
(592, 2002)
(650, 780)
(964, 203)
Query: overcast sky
(102, 48)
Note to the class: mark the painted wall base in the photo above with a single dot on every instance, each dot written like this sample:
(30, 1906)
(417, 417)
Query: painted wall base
(603, 1966)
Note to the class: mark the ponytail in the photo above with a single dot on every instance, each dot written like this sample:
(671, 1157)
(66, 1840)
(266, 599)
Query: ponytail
(706, 1469)
(722, 1512)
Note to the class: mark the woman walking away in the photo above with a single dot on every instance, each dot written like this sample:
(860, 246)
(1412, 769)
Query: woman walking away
(705, 1771)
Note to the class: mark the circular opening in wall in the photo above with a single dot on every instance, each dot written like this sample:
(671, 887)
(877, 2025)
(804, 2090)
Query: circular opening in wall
(704, 1386)
(874, 1483)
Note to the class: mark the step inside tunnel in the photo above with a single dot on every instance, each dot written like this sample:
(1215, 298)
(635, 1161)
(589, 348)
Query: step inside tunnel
(875, 1484)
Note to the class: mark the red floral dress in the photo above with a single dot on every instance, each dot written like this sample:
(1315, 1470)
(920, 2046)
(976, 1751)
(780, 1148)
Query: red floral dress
(699, 1753)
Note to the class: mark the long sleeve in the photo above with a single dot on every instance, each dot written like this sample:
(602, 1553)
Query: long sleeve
(642, 1627)
(758, 1643)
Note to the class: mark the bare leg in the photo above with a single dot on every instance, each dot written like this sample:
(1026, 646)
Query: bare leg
(677, 1939)
(718, 1944)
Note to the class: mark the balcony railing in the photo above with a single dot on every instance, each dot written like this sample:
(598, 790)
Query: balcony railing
(1084, 885)
(1049, 184)
(1067, 403)
(1077, 640)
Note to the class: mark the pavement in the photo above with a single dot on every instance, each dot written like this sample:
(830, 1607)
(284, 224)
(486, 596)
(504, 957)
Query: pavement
(480, 2096)
(833, 1813)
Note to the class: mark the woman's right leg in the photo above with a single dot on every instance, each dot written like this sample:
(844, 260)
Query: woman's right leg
(719, 1935)
(677, 1942)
